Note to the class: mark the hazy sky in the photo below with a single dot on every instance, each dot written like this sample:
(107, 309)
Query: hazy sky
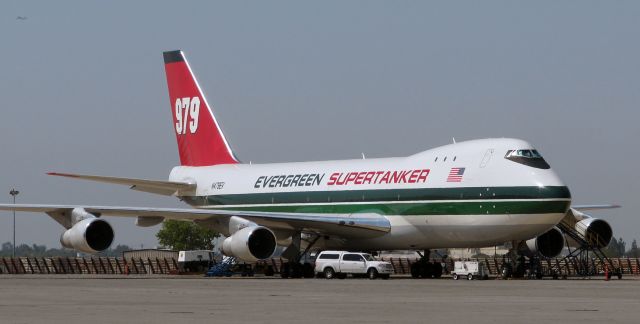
(83, 90)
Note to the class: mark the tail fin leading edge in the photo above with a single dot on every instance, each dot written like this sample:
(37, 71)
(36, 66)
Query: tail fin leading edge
(200, 139)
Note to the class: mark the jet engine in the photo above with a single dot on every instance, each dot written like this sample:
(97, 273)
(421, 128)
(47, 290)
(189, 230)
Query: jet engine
(548, 245)
(250, 243)
(595, 231)
(89, 235)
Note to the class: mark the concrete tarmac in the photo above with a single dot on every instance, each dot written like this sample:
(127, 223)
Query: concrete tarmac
(82, 299)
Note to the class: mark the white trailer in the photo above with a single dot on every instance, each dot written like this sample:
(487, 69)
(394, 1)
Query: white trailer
(470, 270)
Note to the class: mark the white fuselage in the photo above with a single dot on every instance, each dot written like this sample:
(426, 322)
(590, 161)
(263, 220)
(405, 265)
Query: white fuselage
(496, 200)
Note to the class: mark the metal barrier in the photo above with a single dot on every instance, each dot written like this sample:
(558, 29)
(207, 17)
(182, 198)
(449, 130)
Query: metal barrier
(151, 266)
(87, 265)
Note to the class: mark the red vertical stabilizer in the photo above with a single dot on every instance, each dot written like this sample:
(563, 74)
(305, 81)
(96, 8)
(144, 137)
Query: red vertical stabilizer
(200, 139)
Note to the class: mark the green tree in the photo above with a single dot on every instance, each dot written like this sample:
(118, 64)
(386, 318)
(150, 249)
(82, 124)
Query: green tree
(622, 247)
(182, 235)
(634, 252)
(613, 249)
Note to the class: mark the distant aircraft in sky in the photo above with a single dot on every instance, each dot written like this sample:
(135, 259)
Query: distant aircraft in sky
(468, 194)
(22, 18)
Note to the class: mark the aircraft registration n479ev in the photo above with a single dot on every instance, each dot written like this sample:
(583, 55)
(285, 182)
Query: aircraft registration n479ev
(476, 193)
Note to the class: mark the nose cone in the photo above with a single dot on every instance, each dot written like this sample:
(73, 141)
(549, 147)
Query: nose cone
(545, 178)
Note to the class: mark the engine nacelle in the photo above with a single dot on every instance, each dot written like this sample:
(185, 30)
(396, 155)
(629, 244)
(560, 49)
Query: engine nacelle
(548, 245)
(250, 243)
(89, 235)
(595, 231)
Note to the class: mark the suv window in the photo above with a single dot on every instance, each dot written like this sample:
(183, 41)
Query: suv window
(352, 257)
(328, 256)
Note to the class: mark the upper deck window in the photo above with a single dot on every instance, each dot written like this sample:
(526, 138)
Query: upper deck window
(527, 157)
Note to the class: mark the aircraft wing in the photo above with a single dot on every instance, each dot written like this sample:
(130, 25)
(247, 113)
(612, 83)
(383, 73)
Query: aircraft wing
(167, 188)
(344, 225)
(594, 207)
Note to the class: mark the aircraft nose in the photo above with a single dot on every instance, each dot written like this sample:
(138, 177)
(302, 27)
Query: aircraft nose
(550, 185)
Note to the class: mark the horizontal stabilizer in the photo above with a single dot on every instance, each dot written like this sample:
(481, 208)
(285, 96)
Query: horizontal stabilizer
(594, 207)
(167, 188)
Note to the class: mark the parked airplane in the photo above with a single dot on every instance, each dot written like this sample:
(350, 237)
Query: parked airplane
(469, 194)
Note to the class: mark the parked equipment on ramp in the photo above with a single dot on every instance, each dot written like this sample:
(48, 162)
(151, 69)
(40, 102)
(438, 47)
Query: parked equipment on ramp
(470, 270)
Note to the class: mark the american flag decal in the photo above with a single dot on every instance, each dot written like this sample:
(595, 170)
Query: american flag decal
(455, 175)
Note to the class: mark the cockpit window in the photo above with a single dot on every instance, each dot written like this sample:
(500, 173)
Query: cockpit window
(527, 157)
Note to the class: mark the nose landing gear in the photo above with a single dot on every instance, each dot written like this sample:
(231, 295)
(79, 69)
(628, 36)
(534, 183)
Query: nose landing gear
(424, 268)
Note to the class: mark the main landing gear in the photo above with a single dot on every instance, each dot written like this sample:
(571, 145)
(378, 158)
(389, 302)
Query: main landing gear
(293, 268)
(423, 268)
(517, 267)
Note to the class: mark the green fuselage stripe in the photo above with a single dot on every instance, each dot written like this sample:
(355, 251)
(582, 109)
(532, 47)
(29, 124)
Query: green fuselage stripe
(423, 208)
(425, 201)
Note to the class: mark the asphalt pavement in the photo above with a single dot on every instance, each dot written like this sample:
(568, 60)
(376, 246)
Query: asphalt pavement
(145, 299)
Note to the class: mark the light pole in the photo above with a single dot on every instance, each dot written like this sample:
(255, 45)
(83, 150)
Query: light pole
(14, 193)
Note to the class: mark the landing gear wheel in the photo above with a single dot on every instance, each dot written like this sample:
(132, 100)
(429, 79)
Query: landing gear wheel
(285, 270)
(437, 270)
(372, 273)
(455, 276)
(296, 270)
(505, 271)
(329, 273)
(307, 270)
(427, 270)
(469, 277)
(269, 271)
(415, 270)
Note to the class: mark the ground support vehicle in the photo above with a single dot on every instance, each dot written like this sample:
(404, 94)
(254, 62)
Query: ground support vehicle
(330, 264)
(470, 270)
(195, 260)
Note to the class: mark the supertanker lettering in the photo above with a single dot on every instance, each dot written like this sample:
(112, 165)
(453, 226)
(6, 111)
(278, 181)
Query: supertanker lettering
(378, 177)
(343, 179)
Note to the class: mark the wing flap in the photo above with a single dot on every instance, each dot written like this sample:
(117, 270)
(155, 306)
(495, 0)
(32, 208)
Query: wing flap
(167, 188)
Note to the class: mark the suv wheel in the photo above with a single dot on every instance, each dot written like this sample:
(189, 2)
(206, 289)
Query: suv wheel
(455, 276)
(470, 276)
(372, 273)
(329, 273)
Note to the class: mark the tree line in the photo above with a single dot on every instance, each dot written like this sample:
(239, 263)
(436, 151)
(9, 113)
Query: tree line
(618, 248)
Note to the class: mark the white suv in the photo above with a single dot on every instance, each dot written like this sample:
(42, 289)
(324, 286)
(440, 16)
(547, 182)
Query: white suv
(340, 263)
